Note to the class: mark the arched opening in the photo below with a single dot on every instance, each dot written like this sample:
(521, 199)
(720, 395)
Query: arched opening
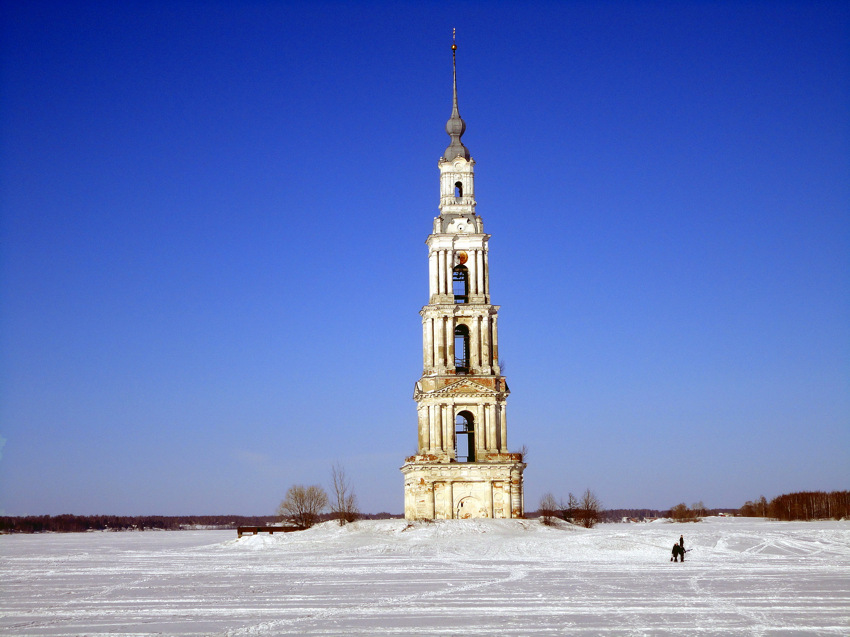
(470, 507)
(460, 284)
(458, 189)
(461, 349)
(464, 437)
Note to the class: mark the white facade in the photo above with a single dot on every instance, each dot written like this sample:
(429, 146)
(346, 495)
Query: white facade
(463, 467)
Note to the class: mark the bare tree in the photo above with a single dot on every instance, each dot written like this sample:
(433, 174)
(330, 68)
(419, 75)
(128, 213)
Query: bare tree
(548, 508)
(302, 505)
(344, 500)
(568, 509)
(761, 507)
(698, 509)
(523, 453)
(681, 513)
(589, 510)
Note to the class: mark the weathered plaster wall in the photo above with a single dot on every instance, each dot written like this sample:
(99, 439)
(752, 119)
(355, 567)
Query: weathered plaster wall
(462, 490)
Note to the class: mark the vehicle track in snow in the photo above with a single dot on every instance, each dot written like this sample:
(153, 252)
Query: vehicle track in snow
(458, 577)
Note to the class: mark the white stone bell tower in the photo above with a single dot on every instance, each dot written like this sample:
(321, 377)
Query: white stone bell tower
(463, 468)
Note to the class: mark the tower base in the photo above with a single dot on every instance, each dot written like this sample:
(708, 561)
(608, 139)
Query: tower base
(458, 490)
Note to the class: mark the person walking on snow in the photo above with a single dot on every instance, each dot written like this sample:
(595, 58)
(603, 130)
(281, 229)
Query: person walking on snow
(679, 550)
(676, 550)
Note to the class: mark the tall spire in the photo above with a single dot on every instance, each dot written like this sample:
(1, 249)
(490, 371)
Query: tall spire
(455, 126)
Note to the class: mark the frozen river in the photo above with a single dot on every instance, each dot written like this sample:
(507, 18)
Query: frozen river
(741, 577)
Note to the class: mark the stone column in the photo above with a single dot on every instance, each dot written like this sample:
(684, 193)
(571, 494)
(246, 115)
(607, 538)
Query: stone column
(480, 431)
(485, 345)
(521, 493)
(510, 495)
(491, 507)
(429, 345)
(424, 433)
(503, 429)
(431, 437)
(440, 362)
(448, 430)
(475, 345)
(486, 274)
(491, 427)
(426, 350)
(441, 273)
(479, 267)
(495, 343)
(433, 276)
(450, 345)
(438, 427)
(516, 493)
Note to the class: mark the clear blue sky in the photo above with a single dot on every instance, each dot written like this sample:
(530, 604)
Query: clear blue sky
(213, 259)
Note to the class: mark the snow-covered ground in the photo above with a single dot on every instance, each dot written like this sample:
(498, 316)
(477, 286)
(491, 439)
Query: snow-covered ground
(470, 577)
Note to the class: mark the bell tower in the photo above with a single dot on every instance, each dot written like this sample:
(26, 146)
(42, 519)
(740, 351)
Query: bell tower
(463, 468)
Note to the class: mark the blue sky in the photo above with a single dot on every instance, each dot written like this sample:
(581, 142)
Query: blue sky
(213, 259)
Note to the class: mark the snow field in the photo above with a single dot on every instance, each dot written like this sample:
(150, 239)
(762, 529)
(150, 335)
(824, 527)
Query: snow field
(453, 577)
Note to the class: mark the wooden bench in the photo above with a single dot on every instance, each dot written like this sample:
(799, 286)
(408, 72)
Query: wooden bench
(271, 530)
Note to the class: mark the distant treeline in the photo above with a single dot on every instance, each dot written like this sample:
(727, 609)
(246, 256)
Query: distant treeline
(77, 523)
(806, 505)
(71, 523)
(615, 515)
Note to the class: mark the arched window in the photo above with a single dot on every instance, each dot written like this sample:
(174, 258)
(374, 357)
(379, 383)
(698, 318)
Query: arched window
(461, 349)
(460, 284)
(458, 189)
(464, 437)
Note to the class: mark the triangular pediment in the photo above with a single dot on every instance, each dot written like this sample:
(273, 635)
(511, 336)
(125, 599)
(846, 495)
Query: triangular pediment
(463, 387)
